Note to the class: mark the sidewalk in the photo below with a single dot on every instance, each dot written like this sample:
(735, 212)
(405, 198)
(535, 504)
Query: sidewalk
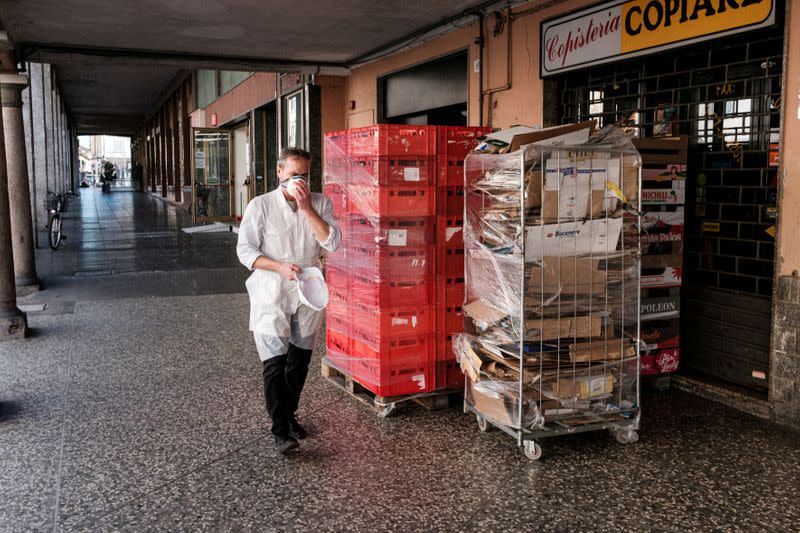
(137, 405)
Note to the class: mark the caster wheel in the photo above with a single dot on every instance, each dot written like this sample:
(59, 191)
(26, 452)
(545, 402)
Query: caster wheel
(626, 436)
(532, 450)
(483, 425)
(386, 410)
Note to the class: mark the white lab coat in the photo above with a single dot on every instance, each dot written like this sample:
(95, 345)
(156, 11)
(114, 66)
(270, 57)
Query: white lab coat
(270, 227)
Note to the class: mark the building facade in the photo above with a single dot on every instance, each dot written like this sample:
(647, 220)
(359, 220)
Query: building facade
(728, 87)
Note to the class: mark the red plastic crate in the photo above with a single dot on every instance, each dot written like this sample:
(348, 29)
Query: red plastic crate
(450, 171)
(380, 322)
(337, 349)
(391, 293)
(450, 232)
(336, 193)
(371, 291)
(448, 371)
(337, 310)
(391, 201)
(450, 320)
(337, 279)
(450, 291)
(458, 141)
(394, 170)
(395, 378)
(391, 262)
(335, 145)
(390, 231)
(450, 202)
(336, 171)
(339, 322)
(392, 139)
(450, 262)
(390, 348)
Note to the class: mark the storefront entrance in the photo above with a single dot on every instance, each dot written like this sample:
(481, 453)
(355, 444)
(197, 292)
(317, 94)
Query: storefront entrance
(725, 96)
(211, 171)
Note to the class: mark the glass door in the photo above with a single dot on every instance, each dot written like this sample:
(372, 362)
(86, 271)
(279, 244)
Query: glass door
(211, 169)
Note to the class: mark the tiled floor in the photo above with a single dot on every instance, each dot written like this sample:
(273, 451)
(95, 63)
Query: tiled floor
(136, 406)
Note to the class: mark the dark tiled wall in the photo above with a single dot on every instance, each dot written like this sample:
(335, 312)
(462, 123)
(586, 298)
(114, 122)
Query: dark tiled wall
(739, 184)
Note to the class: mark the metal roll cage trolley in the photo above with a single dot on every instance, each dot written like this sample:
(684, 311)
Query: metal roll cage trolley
(551, 343)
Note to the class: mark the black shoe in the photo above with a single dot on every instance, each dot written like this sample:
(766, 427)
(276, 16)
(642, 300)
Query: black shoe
(296, 430)
(286, 443)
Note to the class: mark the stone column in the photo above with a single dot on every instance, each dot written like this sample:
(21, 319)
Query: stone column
(19, 193)
(13, 323)
(784, 381)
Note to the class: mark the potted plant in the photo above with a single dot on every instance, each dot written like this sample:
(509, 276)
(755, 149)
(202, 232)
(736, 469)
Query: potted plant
(109, 175)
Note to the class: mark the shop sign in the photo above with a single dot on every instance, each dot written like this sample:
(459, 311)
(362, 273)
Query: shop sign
(620, 29)
(774, 154)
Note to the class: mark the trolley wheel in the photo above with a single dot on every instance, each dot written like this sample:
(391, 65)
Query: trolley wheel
(625, 436)
(54, 233)
(532, 450)
(386, 410)
(483, 425)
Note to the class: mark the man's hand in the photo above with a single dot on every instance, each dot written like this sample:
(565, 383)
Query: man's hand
(288, 271)
(303, 197)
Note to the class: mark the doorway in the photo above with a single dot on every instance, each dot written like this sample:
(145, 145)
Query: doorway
(211, 170)
(240, 185)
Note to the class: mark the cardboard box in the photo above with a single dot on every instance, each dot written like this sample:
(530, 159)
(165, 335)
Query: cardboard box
(563, 328)
(598, 237)
(600, 350)
(572, 275)
(663, 151)
(662, 255)
(661, 333)
(660, 222)
(670, 172)
(660, 308)
(583, 387)
(662, 277)
(671, 193)
(662, 362)
(578, 187)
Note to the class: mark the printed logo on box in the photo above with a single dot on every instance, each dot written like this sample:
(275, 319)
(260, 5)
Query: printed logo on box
(670, 277)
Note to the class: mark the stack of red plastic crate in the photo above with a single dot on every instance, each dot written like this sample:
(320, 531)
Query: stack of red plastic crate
(396, 285)
(453, 145)
(380, 323)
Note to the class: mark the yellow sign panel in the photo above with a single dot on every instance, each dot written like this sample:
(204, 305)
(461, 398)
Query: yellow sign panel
(627, 28)
(711, 227)
(652, 23)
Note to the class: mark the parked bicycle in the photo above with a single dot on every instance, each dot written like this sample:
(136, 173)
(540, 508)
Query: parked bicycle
(55, 204)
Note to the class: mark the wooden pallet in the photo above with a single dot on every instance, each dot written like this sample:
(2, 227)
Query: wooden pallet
(383, 405)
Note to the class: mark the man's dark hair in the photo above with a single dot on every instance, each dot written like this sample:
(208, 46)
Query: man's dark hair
(291, 151)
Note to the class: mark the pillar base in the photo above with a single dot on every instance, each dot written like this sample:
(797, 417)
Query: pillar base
(13, 324)
(27, 284)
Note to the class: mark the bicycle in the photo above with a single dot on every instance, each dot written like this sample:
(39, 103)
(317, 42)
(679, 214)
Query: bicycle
(55, 204)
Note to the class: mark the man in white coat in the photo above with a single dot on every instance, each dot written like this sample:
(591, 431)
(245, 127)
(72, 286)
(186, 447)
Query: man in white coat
(283, 232)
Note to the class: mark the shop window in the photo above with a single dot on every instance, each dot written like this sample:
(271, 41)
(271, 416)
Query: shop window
(206, 87)
(734, 124)
(433, 93)
(705, 124)
(293, 120)
(228, 79)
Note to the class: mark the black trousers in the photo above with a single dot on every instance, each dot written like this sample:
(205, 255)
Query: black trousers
(284, 378)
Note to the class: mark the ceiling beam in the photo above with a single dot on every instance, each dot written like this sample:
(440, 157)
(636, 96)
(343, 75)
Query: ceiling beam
(58, 54)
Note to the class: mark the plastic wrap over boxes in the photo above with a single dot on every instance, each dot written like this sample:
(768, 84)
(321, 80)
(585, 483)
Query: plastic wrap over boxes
(551, 237)
(397, 282)
(663, 195)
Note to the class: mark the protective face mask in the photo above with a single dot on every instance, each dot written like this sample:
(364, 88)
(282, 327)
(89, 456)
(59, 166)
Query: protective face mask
(291, 183)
